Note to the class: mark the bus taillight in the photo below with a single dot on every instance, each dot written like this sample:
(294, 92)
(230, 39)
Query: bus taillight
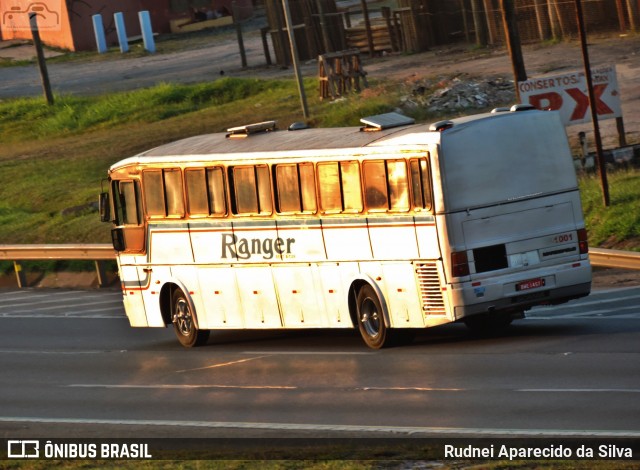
(459, 264)
(583, 244)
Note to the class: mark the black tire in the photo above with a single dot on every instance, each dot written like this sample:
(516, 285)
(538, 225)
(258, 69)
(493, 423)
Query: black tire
(184, 324)
(488, 323)
(374, 332)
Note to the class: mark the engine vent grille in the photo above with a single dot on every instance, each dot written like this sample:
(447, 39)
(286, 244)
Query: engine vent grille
(430, 291)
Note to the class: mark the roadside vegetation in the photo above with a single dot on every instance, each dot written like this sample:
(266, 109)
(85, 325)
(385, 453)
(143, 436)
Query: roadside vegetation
(53, 158)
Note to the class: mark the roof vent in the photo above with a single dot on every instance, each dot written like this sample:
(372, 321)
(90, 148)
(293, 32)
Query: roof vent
(499, 110)
(245, 131)
(522, 107)
(298, 126)
(441, 126)
(385, 121)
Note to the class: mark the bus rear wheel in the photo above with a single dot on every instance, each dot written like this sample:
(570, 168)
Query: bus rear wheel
(375, 333)
(184, 324)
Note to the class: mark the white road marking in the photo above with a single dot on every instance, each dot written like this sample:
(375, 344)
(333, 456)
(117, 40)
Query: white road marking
(186, 386)
(580, 390)
(310, 353)
(407, 430)
(224, 364)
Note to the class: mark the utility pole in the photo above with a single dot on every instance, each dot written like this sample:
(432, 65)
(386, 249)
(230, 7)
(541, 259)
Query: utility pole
(294, 58)
(592, 104)
(513, 42)
(42, 65)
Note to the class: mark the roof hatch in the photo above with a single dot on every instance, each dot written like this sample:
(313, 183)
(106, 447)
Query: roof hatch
(385, 121)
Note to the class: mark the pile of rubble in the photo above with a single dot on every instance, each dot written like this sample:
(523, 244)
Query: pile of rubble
(442, 95)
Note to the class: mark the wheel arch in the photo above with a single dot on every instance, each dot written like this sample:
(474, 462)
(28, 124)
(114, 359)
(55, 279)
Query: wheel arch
(355, 287)
(166, 294)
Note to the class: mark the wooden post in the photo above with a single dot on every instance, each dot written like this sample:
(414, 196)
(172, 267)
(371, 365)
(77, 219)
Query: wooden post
(236, 22)
(553, 20)
(543, 27)
(620, 11)
(632, 11)
(476, 9)
(367, 25)
(101, 273)
(42, 65)
(323, 27)
(513, 43)
(20, 277)
(622, 138)
(491, 22)
(592, 104)
(265, 44)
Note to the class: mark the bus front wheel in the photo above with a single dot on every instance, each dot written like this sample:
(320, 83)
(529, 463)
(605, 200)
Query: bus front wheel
(184, 324)
(375, 333)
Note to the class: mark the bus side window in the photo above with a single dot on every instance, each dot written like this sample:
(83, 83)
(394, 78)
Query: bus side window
(216, 190)
(329, 187)
(386, 185)
(205, 191)
(421, 184)
(126, 203)
(339, 187)
(173, 192)
(398, 185)
(351, 188)
(251, 189)
(163, 193)
(295, 185)
(375, 186)
(196, 182)
(153, 193)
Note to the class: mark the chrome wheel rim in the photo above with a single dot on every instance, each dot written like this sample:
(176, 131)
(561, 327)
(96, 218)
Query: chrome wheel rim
(182, 317)
(370, 318)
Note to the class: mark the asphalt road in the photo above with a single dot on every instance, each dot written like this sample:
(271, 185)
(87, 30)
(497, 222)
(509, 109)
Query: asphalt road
(72, 367)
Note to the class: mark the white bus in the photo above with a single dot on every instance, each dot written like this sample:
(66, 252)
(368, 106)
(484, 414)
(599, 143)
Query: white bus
(386, 228)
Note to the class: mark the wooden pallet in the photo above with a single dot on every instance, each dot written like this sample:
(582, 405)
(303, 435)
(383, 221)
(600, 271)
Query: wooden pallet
(340, 73)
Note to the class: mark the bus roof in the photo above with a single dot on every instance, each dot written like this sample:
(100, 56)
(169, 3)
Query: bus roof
(221, 147)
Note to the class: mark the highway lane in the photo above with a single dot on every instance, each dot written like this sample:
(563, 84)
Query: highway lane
(73, 367)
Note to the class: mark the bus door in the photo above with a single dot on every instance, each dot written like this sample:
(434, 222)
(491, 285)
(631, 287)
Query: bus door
(128, 237)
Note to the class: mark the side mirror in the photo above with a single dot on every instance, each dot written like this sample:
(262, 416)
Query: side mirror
(104, 207)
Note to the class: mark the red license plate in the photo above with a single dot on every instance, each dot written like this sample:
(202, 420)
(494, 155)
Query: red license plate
(530, 284)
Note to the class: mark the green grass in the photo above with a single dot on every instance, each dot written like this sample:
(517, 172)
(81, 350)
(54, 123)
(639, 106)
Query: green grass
(53, 158)
(616, 226)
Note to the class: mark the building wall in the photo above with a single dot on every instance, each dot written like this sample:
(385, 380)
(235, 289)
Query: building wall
(53, 32)
(75, 30)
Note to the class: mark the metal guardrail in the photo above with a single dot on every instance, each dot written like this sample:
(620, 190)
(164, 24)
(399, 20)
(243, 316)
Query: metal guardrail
(97, 253)
(614, 258)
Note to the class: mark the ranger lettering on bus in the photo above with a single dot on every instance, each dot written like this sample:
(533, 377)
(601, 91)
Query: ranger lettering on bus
(243, 248)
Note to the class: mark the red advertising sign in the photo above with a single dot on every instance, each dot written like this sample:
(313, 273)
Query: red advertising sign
(568, 94)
